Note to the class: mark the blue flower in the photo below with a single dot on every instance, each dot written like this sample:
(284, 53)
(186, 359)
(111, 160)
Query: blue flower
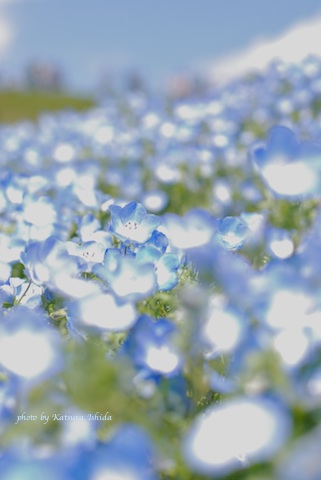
(232, 233)
(289, 168)
(195, 229)
(91, 252)
(150, 346)
(258, 428)
(43, 259)
(129, 455)
(102, 312)
(26, 331)
(132, 224)
(159, 241)
(128, 277)
(279, 243)
(90, 231)
(166, 266)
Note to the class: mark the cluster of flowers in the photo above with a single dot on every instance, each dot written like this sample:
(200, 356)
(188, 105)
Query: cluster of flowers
(198, 325)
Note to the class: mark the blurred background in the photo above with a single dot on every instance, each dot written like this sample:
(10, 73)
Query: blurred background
(90, 48)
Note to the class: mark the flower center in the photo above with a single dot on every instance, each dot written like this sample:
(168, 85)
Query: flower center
(88, 254)
(131, 225)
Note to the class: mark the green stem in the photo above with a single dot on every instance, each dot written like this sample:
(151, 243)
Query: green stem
(24, 294)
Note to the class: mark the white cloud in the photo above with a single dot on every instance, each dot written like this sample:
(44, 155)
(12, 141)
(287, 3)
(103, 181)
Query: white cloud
(293, 45)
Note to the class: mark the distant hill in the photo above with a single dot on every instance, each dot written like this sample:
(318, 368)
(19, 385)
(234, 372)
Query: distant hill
(16, 106)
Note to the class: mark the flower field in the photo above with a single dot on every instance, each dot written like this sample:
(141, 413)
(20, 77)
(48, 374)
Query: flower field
(160, 280)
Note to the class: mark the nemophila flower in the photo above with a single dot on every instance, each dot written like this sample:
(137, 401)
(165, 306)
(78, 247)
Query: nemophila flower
(155, 200)
(235, 275)
(215, 264)
(87, 225)
(289, 168)
(150, 345)
(49, 264)
(159, 241)
(5, 272)
(37, 184)
(8, 403)
(90, 252)
(222, 330)
(250, 192)
(70, 287)
(232, 233)
(11, 247)
(128, 277)
(279, 243)
(166, 266)
(307, 255)
(195, 229)
(298, 328)
(224, 384)
(255, 223)
(29, 465)
(101, 311)
(13, 189)
(84, 184)
(89, 229)
(41, 259)
(129, 455)
(79, 431)
(167, 173)
(257, 429)
(40, 213)
(132, 224)
(303, 458)
(288, 307)
(27, 332)
(308, 387)
(6, 294)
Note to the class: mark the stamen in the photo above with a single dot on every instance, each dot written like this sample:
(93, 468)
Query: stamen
(131, 225)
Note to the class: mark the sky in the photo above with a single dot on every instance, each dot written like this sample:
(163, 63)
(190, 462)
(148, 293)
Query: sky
(86, 38)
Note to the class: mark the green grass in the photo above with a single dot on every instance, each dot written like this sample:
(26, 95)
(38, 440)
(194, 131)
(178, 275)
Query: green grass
(16, 106)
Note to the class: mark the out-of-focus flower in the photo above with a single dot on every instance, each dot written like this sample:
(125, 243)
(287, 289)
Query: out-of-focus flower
(41, 215)
(129, 455)
(159, 241)
(101, 311)
(290, 169)
(43, 259)
(303, 459)
(155, 201)
(279, 243)
(27, 466)
(90, 252)
(150, 346)
(238, 433)
(232, 233)
(222, 331)
(27, 332)
(90, 231)
(129, 278)
(49, 264)
(195, 229)
(10, 248)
